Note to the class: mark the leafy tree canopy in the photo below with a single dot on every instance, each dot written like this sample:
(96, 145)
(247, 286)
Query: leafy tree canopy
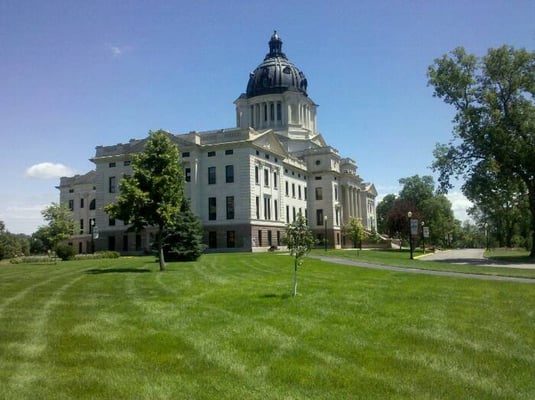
(494, 124)
(355, 231)
(60, 224)
(152, 196)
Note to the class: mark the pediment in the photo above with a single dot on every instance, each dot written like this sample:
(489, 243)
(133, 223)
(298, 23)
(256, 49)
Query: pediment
(268, 141)
(370, 188)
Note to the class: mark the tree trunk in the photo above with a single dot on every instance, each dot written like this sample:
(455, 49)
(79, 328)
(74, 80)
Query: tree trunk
(160, 249)
(531, 194)
(295, 277)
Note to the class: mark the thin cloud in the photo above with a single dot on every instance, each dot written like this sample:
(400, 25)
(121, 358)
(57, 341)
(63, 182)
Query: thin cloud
(459, 204)
(118, 51)
(47, 170)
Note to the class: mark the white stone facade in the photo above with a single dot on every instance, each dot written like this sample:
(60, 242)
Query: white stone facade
(246, 183)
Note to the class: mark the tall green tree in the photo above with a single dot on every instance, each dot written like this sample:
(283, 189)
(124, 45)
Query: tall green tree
(494, 124)
(152, 196)
(300, 240)
(60, 225)
(12, 245)
(183, 240)
(418, 195)
(417, 189)
(382, 210)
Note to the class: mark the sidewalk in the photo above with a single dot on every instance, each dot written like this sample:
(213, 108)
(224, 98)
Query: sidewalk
(350, 263)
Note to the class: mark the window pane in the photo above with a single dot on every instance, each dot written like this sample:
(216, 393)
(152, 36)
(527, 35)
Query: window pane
(211, 175)
(230, 207)
(212, 208)
(229, 173)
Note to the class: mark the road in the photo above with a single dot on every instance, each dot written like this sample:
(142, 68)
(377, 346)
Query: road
(471, 257)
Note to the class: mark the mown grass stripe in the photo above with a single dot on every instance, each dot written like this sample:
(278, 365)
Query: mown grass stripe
(228, 329)
(30, 348)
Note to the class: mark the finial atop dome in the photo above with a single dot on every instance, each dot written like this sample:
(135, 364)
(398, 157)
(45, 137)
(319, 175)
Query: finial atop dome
(275, 46)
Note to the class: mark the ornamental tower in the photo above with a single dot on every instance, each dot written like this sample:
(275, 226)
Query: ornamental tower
(276, 98)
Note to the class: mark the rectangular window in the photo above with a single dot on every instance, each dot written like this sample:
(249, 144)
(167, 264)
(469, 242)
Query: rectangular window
(256, 178)
(81, 226)
(293, 214)
(257, 207)
(287, 192)
(111, 184)
(211, 154)
(111, 222)
(299, 192)
(336, 193)
(319, 193)
(278, 238)
(71, 205)
(187, 174)
(229, 152)
(112, 165)
(272, 112)
(293, 190)
(270, 238)
(185, 154)
(211, 175)
(260, 237)
(229, 173)
(212, 208)
(319, 217)
(81, 203)
(318, 178)
(279, 112)
(267, 208)
(212, 239)
(230, 207)
(127, 163)
(275, 180)
(138, 242)
(305, 192)
(231, 239)
(266, 177)
(288, 214)
(276, 209)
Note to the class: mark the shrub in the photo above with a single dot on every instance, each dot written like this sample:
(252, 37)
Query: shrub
(97, 255)
(65, 252)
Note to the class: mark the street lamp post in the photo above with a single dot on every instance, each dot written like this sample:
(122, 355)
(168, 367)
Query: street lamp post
(423, 237)
(409, 215)
(325, 232)
(94, 234)
(487, 236)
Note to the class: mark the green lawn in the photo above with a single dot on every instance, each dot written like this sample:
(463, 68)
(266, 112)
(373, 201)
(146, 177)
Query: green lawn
(226, 328)
(510, 255)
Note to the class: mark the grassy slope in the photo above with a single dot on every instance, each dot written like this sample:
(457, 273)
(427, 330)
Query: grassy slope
(226, 328)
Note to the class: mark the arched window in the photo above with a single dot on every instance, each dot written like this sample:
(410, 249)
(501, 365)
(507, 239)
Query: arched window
(93, 204)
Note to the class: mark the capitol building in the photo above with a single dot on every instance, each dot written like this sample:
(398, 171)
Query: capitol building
(246, 182)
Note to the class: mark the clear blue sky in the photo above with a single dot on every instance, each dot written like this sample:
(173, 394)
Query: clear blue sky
(78, 74)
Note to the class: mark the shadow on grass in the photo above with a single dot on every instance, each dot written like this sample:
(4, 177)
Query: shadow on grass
(99, 271)
(276, 296)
